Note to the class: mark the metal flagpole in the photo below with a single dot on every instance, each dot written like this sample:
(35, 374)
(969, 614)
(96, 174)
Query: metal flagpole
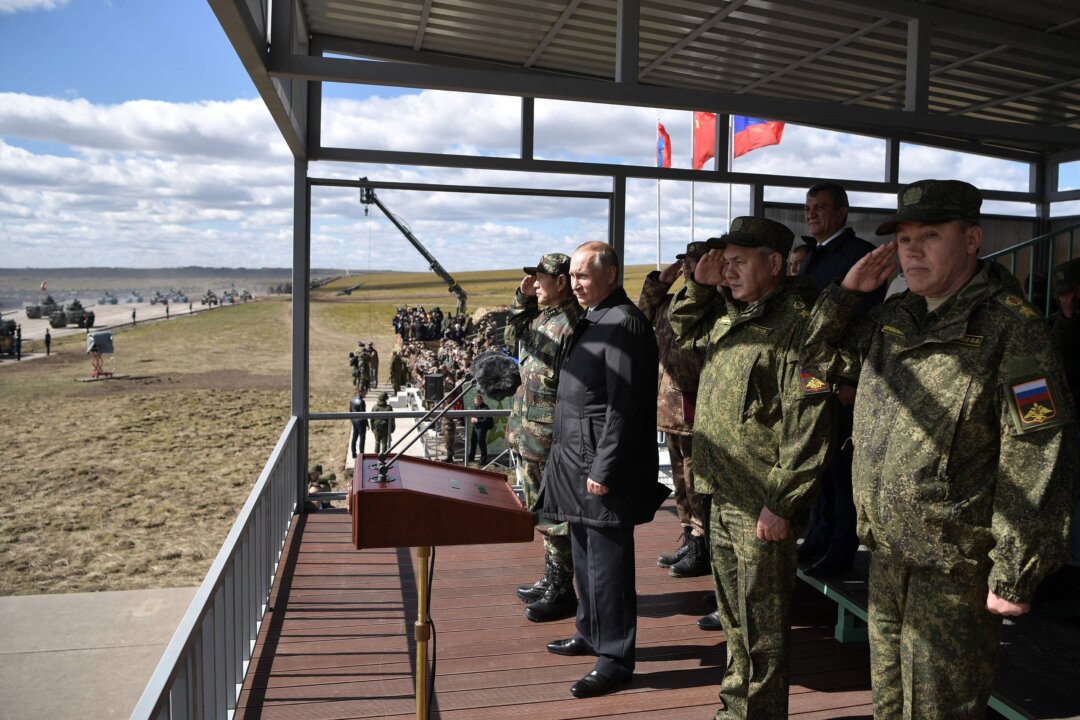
(693, 157)
(730, 161)
(658, 163)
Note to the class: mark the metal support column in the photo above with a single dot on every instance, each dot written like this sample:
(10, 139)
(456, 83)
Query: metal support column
(617, 220)
(301, 315)
(528, 125)
(917, 89)
(757, 200)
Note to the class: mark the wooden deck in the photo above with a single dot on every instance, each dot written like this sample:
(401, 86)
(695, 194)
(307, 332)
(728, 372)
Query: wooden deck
(337, 641)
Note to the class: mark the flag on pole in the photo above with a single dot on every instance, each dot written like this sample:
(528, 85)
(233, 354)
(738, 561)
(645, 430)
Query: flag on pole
(663, 146)
(704, 138)
(752, 133)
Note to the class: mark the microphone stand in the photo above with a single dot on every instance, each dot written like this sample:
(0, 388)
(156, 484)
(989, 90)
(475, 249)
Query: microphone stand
(456, 393)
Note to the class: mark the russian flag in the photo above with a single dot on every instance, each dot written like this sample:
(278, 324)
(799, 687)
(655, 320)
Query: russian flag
(1032, 392)
(663, 147)
(752, 133)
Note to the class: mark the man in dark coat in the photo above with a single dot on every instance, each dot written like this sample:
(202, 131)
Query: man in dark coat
(601, 474)
(830, 542)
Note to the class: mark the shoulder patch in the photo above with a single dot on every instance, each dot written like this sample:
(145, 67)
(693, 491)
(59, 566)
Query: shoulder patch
(812, 385)
(1033, 404)
(1019, 305)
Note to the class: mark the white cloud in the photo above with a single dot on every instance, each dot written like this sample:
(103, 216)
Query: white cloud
(148, 183)
(14, 6)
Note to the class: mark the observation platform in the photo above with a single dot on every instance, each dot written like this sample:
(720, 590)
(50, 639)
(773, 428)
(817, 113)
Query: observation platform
(337, 641)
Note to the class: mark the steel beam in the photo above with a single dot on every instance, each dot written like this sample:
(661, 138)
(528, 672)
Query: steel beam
(422, 25)
(617, 220)
(627, 31)
(716, 19)
(528, 127)
(301, 317)
(567, 13)
(473, 189)
(863, 120)
(917, 88)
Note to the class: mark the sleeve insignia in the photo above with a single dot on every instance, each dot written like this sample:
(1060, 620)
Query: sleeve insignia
(1033, 405)
(1019, 306)
(812, 385)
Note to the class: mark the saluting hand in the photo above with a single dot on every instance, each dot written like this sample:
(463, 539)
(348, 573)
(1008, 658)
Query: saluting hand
(872, 269)
(710, 268)
(528, 286)
(771, 527)
(669, 274)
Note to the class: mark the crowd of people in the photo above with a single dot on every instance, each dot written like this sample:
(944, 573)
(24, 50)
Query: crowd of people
(935, 427)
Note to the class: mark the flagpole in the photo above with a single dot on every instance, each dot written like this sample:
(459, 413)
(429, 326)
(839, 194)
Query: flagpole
(658, 162)
(730, 163)
(693, 151)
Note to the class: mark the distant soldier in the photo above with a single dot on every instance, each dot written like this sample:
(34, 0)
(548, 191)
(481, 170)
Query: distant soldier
(539, 328)
(359, 426)
(132, 316)
(18, 342)
(676, 398)
(48, 342)
(166, 309)
(373, 360)
(449, 427)
(354, 364)
(365, 367)
(382, 427)
(399, 371)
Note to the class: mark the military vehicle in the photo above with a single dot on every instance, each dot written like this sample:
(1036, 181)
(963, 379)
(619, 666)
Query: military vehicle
(133, 297)
(77, 315)
(246, 295)
(7, 337)
(58, 319)
(158, 298)
(107, 299)
(43, 309)
(210, 298)
(228, 296)
(177, 297)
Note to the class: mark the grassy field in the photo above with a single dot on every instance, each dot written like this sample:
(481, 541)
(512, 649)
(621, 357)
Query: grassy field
(133, 483)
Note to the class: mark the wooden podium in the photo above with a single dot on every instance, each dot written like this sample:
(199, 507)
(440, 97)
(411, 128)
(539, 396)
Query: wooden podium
(422, 504)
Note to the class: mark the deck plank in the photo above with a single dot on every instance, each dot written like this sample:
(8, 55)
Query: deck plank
(337, 642)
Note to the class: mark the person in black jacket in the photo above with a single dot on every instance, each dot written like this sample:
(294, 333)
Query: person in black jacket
(601, 476)
(830, 542)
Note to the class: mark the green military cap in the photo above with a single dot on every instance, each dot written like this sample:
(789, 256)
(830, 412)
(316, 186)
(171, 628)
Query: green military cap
(1066, 276)
(935, 201)
(749, 231)
(694, 250)
(715, 243)
(551, 264)
(383, 397)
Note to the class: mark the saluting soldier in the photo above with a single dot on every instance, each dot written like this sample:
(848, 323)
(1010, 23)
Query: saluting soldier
(676, 398)
(964, 449)
(542, 319)
(761, 440)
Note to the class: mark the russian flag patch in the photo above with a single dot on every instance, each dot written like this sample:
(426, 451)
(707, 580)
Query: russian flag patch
(1033, 402)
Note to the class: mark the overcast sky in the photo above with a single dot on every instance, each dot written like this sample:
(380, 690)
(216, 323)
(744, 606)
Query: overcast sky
(131, 136)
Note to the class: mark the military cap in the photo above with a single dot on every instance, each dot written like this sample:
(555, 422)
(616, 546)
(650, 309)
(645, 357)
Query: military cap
(694, 250)
(749, 231)
(934, 201)
(551, 264)
(383, 397)
(1066, 276)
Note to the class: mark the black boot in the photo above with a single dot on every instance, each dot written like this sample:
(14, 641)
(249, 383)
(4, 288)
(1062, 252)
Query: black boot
(559, 600)
(532, 593)
(680, 552)
(694, 563)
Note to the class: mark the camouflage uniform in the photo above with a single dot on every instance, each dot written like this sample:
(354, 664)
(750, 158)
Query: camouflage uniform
(544, 335)
(963, 445)
(679, 370)
(383, 428)
(761, 439)
(399, 371)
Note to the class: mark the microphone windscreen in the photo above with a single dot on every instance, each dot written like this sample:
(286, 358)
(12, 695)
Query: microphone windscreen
(496, 374)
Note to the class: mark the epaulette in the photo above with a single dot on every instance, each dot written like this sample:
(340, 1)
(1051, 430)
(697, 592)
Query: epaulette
(1019, 305)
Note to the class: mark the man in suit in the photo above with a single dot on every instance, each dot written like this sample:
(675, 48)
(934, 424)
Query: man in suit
(601, 476)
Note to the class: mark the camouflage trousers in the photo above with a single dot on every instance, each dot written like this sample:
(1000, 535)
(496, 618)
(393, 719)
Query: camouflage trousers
(382, 442)
(933, 643)
(687, 500)
(556, 537)
(755, 581)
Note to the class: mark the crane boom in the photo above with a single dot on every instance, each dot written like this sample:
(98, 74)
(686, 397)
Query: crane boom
(368, 197)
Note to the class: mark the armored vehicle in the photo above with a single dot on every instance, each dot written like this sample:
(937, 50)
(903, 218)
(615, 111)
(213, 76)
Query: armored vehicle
(43, 309)
(210, 298)
(177, 297)
(7, 337)
(77, 315)
(229, 296)
(107, 299)
(58, 319)
(133, 297)
(158, 298)
(246, 295)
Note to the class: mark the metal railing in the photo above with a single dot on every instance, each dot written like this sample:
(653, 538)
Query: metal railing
(1043, 255)
(202, 670)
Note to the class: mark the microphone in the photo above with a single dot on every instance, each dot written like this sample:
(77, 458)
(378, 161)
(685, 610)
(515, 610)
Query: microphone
(496, 374)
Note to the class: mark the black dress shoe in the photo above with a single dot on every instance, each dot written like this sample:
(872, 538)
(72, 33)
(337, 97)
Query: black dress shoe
(596, 683)
(710, 622)
(572, 646)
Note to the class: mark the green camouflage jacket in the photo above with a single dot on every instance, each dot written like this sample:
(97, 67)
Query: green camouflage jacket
(544, 336)
(383, 427)
(679, 368)
(964, 439)
(763, 428)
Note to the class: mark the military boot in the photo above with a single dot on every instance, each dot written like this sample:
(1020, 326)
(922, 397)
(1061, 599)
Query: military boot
(558, 602)
(532, 593)
(680, 552)
(695, 562)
